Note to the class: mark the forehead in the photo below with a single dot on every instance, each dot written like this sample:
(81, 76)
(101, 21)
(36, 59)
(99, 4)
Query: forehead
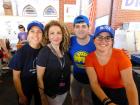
(35, 27)
(81, 24)
(104, 34)
(54, 28)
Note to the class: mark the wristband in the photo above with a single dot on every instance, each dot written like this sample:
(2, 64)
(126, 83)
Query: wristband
(106, 101)
(40, 88)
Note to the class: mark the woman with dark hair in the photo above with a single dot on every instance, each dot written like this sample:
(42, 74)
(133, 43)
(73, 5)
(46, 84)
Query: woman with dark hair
(23, 65)
(110, 71)
(22, 36)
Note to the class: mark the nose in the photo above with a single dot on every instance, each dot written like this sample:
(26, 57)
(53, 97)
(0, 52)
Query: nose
(35, 33)
(103, 40)
(81, 28)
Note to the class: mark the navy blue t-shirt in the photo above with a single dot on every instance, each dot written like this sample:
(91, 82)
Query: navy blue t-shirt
(25, 61)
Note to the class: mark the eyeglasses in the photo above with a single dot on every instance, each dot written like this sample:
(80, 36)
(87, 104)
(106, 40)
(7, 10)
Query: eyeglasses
(106, 38)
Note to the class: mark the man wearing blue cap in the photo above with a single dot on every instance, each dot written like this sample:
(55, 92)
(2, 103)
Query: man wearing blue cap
(23, 65)
(81, 45)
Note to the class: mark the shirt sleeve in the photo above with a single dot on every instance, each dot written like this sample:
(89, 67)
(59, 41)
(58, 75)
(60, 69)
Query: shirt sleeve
(124, 61)
(16, 62)
(43, 57)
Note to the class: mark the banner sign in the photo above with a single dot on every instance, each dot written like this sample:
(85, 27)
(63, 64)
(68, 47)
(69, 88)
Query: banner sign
(131, 4)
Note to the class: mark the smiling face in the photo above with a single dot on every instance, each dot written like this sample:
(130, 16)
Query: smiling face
(35, 36)
(55, 35)
(81, 30)
(103, 41)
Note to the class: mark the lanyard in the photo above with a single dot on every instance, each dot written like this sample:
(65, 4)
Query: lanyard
(61, 61)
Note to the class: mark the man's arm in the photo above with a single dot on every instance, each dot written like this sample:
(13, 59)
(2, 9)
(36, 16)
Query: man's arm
(127, 53)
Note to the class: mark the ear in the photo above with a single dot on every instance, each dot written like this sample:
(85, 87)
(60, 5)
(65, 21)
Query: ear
(90, 30)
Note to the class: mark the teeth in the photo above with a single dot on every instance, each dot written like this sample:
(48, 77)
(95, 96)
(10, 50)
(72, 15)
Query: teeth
(103, 45)
(36, 38)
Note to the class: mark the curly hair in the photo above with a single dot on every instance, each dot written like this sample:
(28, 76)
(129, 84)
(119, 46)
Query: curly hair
(64, 45)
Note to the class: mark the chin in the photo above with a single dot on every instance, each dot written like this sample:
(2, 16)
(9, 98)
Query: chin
(37, 42)
(102, 49)
(57, 43)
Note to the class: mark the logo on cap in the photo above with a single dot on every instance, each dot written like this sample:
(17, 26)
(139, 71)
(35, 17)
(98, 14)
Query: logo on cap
(105, 28)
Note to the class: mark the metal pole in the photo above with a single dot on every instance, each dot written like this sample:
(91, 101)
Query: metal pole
(111, 11)
(80, 11)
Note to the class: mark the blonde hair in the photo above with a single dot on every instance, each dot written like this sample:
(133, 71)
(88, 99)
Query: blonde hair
(64, 45)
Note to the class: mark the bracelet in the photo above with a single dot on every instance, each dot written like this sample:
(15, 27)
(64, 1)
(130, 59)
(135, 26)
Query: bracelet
(40, 88)
(106, 101)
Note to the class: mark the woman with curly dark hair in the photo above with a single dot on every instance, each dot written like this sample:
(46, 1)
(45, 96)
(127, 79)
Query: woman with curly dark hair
(53, 65)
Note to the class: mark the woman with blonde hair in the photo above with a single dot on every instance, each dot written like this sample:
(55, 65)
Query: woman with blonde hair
(53, 65)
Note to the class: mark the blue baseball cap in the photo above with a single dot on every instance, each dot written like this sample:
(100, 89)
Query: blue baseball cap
(81, 18)
(104, 28)
(35, 23)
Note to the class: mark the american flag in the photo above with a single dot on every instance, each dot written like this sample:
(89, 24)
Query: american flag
(92, 14)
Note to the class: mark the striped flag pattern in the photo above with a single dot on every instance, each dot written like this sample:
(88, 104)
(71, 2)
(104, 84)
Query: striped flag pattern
(92, 14)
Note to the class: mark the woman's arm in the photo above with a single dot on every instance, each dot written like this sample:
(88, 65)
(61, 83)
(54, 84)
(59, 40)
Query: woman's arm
(40, 74)
(130, 86)
(17, 82)
(95, 85)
